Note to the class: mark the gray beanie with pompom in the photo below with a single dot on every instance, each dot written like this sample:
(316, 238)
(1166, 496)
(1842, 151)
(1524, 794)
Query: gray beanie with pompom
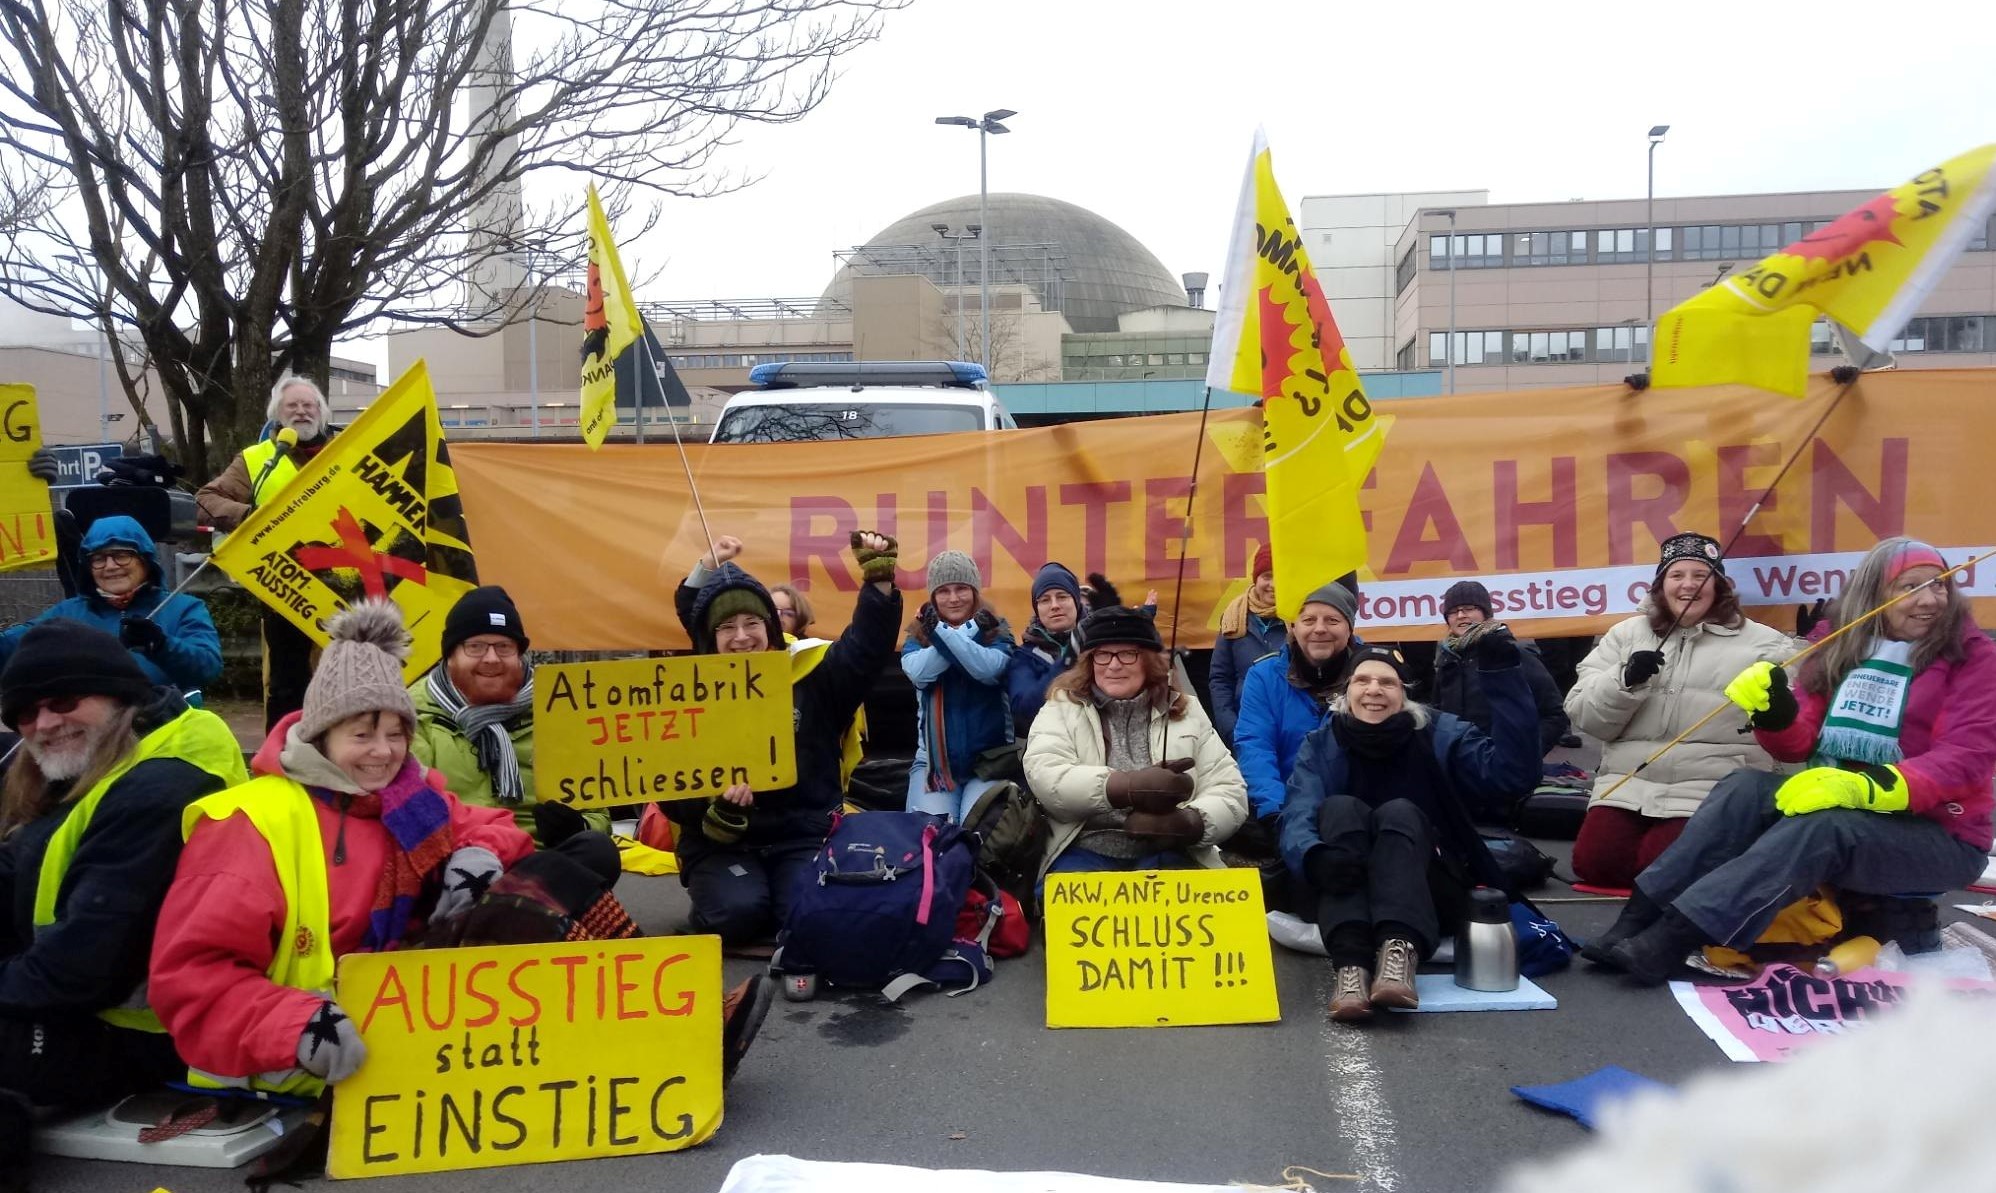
(360, 670)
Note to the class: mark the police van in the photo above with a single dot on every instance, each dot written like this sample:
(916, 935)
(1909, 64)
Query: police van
(810, 401)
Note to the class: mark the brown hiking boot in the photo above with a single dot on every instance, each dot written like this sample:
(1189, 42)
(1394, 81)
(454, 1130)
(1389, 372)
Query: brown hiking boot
(1351, 1002)
(1395, 985)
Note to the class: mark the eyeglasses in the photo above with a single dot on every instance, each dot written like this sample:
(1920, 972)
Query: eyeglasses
(787, 614)
(107, 558)
(503, 651)
(61, 706)
(1122, 658)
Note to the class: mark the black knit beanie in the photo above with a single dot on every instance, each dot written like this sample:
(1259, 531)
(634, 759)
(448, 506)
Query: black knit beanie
(1119, 626)
(483, 610)
(61, 657)
(1467, 594)
(1690, 545)
(1375, 653)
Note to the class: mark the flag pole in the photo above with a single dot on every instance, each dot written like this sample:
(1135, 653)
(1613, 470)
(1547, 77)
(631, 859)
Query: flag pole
(1191, 500)
(1846, 376)
(692, 489)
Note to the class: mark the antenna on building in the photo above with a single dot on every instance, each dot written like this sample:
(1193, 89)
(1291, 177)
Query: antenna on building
(1195, 290)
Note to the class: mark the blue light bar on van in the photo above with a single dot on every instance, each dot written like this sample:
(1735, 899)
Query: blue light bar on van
(951, 374)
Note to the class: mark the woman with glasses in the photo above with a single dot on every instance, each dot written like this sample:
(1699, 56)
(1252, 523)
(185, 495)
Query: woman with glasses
(1130, 772)
(793, 610)
(1896, 722)
(172, 637)
(475, 717)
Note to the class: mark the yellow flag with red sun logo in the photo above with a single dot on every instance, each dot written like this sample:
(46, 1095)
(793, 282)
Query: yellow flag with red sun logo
(610, 324)
(1273, 336)
(1869, 270)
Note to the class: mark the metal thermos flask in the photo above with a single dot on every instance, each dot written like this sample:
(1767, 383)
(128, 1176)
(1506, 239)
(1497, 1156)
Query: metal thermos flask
(1486, 950)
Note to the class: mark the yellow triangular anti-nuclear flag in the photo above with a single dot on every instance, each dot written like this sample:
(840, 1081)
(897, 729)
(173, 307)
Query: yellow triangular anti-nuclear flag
(610, 324)
(1274, 337)
(1870, 270)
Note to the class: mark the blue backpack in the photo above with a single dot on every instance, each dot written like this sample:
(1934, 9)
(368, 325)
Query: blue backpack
(879, 908)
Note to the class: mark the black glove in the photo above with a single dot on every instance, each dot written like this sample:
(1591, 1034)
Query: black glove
(929, 619)
(141, 634)
(1808, 617)
(556, 822)
(1781, 709)
(987, 623)
(1641, 666)
(1100, 593)
(1496, 649)
(43, 466)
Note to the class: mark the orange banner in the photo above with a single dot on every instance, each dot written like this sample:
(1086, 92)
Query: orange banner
(1557, 499)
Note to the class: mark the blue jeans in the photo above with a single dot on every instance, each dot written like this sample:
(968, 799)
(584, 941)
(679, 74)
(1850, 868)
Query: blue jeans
(954, 804)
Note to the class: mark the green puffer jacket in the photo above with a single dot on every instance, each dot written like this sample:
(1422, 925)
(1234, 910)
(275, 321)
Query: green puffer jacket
(438, 744)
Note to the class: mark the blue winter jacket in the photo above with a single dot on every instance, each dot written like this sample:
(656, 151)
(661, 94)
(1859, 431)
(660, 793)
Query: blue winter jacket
(1276, 716)
(959, 684)
(192, 656)
(1482, 770)
(1032, 669)
(1233, 658)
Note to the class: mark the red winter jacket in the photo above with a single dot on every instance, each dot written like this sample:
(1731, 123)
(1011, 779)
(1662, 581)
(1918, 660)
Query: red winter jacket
(1948, 737)
(219, 928)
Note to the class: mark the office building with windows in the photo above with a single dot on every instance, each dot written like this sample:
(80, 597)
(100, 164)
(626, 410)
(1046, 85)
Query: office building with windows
(1565, 293)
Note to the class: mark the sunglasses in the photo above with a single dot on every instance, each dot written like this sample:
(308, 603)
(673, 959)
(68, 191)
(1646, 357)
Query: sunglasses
(61, 706)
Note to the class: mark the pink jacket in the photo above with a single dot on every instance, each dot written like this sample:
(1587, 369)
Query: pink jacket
(219, 928)
(1948, 736)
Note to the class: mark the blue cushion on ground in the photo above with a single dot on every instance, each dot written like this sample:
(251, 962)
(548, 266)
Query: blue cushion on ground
(1584, 1097)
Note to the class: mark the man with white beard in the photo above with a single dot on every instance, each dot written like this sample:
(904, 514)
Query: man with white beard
(89, 834)
(258, 473)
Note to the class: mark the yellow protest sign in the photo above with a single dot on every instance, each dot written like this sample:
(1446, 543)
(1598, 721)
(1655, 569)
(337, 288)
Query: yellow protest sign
(374, 514)
(1160, 948)
(518, 1054)
(648, 729)
(27, 525)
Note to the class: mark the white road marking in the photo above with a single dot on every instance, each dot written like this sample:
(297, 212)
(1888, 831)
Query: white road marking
(1358, 1096)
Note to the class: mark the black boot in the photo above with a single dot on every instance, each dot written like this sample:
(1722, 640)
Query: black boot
(1637, 914)
(1656, 954)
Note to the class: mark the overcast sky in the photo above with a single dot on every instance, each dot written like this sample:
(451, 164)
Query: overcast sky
(1143, 113)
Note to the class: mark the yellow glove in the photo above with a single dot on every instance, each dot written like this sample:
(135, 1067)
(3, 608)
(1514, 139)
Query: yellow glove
(1868, 789)
(1762, 692)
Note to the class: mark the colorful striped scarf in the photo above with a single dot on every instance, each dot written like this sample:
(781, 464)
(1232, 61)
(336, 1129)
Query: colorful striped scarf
(417, 817)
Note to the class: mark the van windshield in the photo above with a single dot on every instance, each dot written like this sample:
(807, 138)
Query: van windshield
(806, 422)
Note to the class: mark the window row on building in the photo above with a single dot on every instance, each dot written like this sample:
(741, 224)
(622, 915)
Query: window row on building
(744, 360)
(1619, 246)
(1624, 344)
(1134, 360)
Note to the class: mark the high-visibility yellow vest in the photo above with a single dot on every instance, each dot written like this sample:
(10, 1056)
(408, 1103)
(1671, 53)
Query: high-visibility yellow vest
(257, 457)
(196, 737)
(282, 812)
(805, 655)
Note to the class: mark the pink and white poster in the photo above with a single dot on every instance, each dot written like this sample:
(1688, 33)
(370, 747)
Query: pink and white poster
(1786, 1010)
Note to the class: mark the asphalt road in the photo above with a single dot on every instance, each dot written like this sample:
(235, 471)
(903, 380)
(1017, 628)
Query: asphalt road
(1415, 1103)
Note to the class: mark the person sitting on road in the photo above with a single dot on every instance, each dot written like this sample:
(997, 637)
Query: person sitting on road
(1634, 697)
(741, 854)
(793, 610)
(89, 831)
(475, 719)
(1250, 631)
(1897, 721)
(1130, 772)
(1377, 825)
(1284, 698)
(956, 654)
(1458, 684)
(1047, 649)
(244, 959)
(172, 638)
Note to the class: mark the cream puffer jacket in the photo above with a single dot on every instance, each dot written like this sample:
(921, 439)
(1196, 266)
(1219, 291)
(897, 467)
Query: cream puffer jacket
(1067, 770)
(1633, 722)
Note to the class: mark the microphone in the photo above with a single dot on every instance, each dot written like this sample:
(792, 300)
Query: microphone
(285, 439)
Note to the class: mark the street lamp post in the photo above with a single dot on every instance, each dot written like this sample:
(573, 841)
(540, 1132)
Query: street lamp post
(989, 124)
(1449, 350)
(970, 232)
(1656, 133)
